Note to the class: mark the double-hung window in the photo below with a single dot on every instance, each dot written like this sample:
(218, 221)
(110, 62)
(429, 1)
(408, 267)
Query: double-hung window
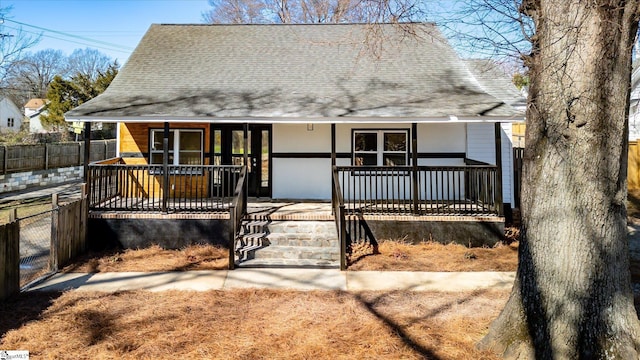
(380, 147)
(185, 146)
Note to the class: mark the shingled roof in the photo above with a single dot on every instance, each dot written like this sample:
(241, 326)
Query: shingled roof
(302, 73)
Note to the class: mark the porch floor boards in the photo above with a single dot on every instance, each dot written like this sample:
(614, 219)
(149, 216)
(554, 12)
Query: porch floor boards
(267, 209)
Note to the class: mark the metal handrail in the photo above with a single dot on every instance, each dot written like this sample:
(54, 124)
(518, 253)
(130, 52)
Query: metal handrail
(237, 210)
(337, 203)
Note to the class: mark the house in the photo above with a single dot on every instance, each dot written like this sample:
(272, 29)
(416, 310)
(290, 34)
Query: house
(316, 113)
(10, 116)
(32, 110)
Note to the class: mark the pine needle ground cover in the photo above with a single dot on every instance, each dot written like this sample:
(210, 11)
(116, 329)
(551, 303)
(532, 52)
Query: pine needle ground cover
(249, 324)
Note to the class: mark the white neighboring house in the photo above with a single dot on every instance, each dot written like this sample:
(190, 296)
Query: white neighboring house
(32, 111)
(10, 116)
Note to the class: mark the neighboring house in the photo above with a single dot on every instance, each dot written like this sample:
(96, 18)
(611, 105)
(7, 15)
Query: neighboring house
(32, 111)
(315, 115)
(10, 116)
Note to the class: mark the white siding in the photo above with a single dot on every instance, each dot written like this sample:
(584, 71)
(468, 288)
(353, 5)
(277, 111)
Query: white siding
(481, 147)
(8, 110)
(296, 138)
(301, 179)
(310, 178)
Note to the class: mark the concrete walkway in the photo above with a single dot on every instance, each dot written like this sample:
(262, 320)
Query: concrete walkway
(272, 278)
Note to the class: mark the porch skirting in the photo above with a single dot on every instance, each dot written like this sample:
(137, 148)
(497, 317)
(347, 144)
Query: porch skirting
(173, 231)
(470, 231)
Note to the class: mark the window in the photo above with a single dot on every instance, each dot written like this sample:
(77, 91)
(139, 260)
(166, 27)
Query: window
(185, 147)
(11, 122)
(380, 147)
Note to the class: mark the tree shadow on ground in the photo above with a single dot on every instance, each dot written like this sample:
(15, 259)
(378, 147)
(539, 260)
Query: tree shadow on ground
(23, 308)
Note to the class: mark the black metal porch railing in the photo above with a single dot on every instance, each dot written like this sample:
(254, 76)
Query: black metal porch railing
(118, 186)
(422, 190)
(406, 190)
(237, 211)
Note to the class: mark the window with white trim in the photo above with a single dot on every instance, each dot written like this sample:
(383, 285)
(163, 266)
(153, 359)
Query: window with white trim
(185, 146)
(380, 147)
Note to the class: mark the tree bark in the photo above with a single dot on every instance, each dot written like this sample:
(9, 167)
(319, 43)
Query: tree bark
(572, 298)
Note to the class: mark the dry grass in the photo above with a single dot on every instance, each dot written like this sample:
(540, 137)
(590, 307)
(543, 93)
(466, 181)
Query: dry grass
(25, 208)
(250, 324)
(154, 258)
(431, 256)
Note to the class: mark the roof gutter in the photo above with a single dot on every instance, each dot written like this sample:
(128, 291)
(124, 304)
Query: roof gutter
(296, 120)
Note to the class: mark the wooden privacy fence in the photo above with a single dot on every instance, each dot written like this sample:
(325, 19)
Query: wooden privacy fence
(9, 259)
(633, 166)
(68, 240)
(19, 158)
(68, 230)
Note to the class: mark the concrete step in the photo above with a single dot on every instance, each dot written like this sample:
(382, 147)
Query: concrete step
(290, 263)
(288, 243)
(301, 240)
(295, 252)
(292, 226)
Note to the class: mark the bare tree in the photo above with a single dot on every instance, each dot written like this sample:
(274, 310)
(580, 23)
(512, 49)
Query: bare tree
(89, 63)
(313, 11)
(31, 75)
(13, 42)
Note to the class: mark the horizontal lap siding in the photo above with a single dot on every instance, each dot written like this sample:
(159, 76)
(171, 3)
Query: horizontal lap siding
(481, 147)
(134, 138)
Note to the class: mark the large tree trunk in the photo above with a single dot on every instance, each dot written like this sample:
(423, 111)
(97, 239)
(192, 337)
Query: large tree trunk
(572, 298)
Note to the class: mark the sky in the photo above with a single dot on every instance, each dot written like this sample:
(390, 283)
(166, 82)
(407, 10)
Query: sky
(114, 27)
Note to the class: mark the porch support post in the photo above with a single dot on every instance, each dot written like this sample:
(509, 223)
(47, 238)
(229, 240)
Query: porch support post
(333, 163)
(333, 145)
(414, 164)
(165, 167)
(87, 151)
(498, 193)
(245, 135)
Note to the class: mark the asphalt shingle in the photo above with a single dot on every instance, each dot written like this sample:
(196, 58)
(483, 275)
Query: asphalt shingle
(291, 72)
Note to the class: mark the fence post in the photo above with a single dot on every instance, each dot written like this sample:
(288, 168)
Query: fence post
(10, 258)
(55, 214)
(4, 160)
(84, 217)
(46, 156)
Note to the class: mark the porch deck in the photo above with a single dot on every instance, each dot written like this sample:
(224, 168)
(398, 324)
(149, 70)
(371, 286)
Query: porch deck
(262, 208)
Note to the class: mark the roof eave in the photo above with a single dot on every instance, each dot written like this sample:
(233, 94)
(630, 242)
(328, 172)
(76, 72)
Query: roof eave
(291, 120)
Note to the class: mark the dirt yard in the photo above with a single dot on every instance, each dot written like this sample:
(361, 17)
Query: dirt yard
(249, 324)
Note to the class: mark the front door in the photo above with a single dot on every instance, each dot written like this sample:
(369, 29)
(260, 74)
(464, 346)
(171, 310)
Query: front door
(228, 149)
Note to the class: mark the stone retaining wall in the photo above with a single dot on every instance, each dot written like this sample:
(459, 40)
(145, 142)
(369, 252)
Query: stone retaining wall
(28, 179)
